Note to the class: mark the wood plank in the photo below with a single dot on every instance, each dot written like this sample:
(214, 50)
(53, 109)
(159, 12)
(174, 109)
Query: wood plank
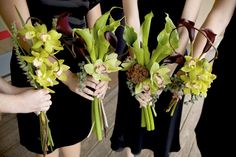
(6, 117)
(117, 154)
(194, 152)
(191, 121)
(8, 135)
(18, 150)
(185, 112)
(144, 153)
(102, 148)
(187, 134)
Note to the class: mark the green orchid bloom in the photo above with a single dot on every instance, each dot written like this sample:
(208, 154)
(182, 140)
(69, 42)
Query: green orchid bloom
(197, 76)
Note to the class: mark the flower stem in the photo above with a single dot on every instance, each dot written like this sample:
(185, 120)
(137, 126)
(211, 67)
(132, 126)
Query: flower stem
(97, 118)
(151, 119)
(45, 133)
(146, 114)
(143, 121)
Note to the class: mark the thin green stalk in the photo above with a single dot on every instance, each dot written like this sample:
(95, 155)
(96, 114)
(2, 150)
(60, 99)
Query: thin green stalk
(151, 119)
(154, 111)
(143, 122)
(174, 107)
(97, 119)
(146, 118)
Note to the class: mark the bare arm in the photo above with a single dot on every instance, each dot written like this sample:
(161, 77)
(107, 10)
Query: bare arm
(217, 20)
(28, 101)
(93, 15)
(190, 12)
(9, 14)
(22, 100)
(5, 87)
(131, 13)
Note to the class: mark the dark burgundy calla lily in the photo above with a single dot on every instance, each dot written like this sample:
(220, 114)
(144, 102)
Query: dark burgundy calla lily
(63, 25)
(189, 25)
(210, 39)
(175, 58)
(111, 38)
(79, 42)
(80, 48)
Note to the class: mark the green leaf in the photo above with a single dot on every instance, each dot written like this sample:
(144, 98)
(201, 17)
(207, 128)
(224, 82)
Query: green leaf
(138, 88)
(146, 55)
(164, 48)
(139, 54)
(89, 68)
(146, 28)
(102, 44)
(130, 36)
(28, 59)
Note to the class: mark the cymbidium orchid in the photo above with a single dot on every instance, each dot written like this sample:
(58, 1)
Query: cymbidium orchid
(40, 65)
(195, 77)
(144, 68)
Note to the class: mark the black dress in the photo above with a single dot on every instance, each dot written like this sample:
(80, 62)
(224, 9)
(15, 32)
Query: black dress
(70, 122)
(127, 130)
(215, 130)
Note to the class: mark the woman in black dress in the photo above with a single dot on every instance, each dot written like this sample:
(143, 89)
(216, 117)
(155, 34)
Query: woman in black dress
(127, 130)
(215, 131)
(70, 123)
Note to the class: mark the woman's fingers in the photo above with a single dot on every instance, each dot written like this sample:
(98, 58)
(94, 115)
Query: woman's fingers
(101, 89)
(93, 88)
(85, 92)
(143, 98)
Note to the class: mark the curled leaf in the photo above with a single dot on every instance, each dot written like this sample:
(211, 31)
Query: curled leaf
(210, 39)
(189, 25)
(175, 58)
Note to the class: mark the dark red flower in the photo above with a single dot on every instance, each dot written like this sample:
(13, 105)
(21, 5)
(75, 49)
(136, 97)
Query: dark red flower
(63, 25)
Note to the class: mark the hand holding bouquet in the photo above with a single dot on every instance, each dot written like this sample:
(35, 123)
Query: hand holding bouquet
(145, 73)
(195, 76)
(40, 65)
(99, 43)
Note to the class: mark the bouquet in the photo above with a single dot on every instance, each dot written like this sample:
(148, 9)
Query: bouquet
(99, 51)
(195, 77)
(145, 72)
(40, 65)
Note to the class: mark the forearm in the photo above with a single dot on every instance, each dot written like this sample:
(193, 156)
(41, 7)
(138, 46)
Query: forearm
(131, 13)
(217, 20)
(72, 80)
(7, 88)
(9, 13)
(190, 12)
(93, 15)
(8, 103)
